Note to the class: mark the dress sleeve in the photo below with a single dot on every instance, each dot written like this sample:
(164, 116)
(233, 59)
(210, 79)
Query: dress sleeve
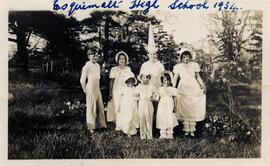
(196, 67)
(162, 69)
(113, 72)
(128, 69)
(175, 69)
(142, 68)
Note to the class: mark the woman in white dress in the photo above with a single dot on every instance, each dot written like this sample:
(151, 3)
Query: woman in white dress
(191, 102)
(129, 106)
(94, 105)
(117, 81)
(166, 119)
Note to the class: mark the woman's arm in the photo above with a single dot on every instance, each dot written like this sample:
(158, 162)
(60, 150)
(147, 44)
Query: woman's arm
(175, 79)
(83, 79)
(174, 104)
(200, 81)
(111, 88)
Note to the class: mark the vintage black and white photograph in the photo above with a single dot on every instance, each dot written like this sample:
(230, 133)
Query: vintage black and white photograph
(127, 85)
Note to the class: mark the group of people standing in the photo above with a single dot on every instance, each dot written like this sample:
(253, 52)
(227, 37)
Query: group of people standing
(155, 95)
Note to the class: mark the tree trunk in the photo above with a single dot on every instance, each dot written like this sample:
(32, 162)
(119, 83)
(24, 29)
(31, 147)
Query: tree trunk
(22, 55)
(106, 33)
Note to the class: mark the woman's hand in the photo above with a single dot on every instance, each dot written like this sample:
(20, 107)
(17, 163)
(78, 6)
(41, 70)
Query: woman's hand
(203, 88)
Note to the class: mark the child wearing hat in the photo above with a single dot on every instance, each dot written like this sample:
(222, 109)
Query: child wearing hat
(166, 119)
(128, 115)
(147, 93)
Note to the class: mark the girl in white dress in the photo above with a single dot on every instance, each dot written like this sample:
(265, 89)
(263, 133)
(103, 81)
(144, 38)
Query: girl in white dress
(129, 106)
(191, 102)
(147, 93)
(94, 104)
(117, 81)
(166, 119)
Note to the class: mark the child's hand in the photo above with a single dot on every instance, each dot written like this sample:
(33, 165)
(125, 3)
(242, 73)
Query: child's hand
(174, 110)
(136, 95)
(110, 97)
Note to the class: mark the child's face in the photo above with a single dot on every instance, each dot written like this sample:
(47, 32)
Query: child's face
(166, 82)
(145, 79)
(130, 84)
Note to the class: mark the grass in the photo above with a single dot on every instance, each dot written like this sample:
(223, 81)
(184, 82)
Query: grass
(42, 127)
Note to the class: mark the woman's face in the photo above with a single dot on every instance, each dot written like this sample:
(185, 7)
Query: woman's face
(152, 57)
(92, 58)
(186, 58)
(122, 60)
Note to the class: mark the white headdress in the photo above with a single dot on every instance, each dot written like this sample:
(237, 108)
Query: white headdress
(151, 42)
(121, 53)
(192, 53)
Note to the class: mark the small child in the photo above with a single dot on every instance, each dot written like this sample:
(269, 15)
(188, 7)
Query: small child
(128, 107)
(147, 93)
(166, 119)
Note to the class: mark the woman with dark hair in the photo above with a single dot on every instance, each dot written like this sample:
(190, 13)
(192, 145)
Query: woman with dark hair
(191, 102)
(90, 84)
(117, 81)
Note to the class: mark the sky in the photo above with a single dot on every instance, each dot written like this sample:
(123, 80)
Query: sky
(185, 26)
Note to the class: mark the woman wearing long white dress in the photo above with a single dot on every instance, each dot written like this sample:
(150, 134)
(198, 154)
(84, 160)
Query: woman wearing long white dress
(117, 81)
(129, 106)
(166, 119)
(94, 105)
(191, 102)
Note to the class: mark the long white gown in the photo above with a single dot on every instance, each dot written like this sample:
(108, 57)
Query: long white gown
(94, 105)
(128, 111)
(165, 117)
(191, 101)
(146, 109)
(118, 74)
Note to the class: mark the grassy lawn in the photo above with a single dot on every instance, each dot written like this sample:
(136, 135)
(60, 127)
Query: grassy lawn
(42, 127)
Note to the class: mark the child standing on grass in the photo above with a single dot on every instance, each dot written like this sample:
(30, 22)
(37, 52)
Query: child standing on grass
(166, 119)
(94, 105)
(191, 102)
(128, 107)
(147, 93)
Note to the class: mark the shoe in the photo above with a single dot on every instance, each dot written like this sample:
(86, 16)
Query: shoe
(129, 136)
(186, 133)
(117, 129)
(192, 134)
(92, 131)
